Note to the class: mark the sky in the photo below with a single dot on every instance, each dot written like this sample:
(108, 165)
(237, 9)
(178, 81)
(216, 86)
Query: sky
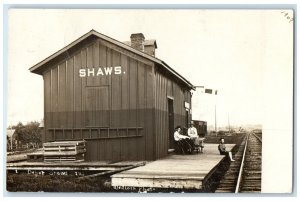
(247, 55)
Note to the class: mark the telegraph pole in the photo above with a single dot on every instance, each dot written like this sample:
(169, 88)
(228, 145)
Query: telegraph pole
(214, 92)
(228, 124)
(216, 119)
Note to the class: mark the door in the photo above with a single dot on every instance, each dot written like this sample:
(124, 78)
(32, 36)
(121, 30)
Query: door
(171, 123)
(187, 119)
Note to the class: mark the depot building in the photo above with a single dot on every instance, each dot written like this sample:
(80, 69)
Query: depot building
(118, 97)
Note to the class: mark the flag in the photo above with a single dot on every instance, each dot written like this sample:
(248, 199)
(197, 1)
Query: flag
(208, 91)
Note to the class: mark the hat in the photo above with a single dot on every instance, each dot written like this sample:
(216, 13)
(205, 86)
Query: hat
(192, 123)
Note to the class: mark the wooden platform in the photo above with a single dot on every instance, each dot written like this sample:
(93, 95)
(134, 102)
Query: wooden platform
(21, 155)
(174, 171)
(69, 166)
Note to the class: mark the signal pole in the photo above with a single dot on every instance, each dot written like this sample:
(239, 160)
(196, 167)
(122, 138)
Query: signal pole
(216, 119)
(228, 124)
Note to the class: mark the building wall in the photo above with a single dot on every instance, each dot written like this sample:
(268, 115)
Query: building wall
(114, 113)
(166, 87)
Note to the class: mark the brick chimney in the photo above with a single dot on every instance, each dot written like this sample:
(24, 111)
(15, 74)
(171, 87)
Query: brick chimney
(137, 41)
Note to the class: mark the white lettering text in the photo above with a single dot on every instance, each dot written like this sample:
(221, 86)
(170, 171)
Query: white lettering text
(100, 71)
(91, 71)
(82, 73)
(108, 70)
(118, 70)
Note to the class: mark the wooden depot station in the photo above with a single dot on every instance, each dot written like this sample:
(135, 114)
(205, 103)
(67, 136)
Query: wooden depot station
(122, 100)
(111, 104)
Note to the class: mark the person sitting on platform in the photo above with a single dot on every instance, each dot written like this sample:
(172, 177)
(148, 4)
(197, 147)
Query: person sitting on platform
(222, 149)
(183, 142)
(193, 134)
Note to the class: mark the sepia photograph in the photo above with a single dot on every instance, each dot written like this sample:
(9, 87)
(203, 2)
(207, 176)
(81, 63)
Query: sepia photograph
(150, 100)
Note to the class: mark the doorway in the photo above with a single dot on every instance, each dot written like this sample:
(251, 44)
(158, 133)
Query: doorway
(171, 122)
(187, 119)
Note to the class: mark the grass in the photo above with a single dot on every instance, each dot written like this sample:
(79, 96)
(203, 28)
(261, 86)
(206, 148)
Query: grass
(35, 183)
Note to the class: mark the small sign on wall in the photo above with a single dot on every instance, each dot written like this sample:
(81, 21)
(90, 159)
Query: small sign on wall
(187, 105)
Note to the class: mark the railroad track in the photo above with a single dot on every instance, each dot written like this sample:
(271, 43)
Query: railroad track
(244, 174)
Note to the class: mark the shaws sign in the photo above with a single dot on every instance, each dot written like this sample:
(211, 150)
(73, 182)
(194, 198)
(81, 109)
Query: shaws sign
(100, 71)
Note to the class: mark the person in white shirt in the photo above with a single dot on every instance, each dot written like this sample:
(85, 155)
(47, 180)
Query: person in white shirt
(182, 141)
(193, 134)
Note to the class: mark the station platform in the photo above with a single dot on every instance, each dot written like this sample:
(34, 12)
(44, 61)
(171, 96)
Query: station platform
(71, 166)
(173, 171)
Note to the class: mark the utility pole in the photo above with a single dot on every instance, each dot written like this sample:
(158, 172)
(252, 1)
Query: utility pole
(214, 92)
(228, 124)
(216, 119)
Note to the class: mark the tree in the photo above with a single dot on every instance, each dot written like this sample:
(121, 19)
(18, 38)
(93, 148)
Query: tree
(29, 133)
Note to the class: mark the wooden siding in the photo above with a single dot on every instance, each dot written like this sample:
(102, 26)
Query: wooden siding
(122, 116)
(114, 113)
(166, 87)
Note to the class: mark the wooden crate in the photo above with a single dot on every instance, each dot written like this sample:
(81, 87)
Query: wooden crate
(64, 151)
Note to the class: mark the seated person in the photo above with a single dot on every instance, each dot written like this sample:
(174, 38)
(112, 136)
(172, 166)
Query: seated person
(183, 142)
(222, 149)
(193, 134)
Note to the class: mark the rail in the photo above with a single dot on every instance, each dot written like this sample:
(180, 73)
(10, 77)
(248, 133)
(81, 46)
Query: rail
(243, 162)
(241, 167)
(244, 175)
